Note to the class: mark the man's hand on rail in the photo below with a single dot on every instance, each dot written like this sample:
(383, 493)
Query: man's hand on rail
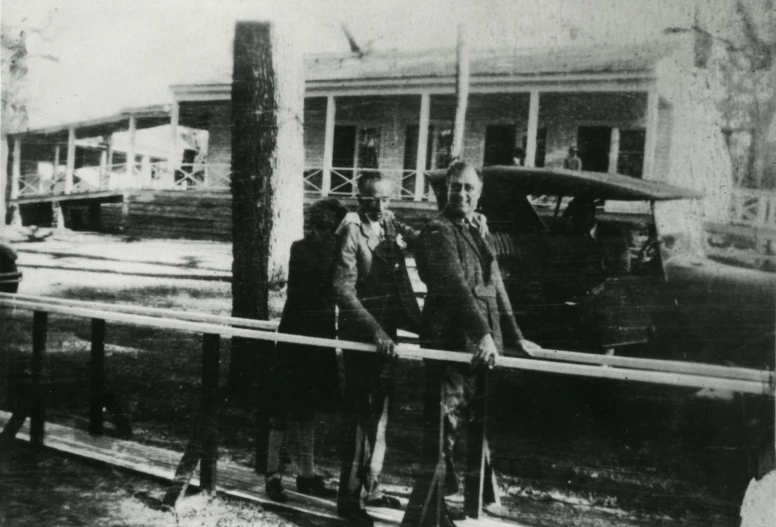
(486, 352)
(528, 347)
(385, 345)
(524, 350)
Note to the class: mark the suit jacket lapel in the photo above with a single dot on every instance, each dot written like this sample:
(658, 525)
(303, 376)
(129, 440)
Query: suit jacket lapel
(467, 235)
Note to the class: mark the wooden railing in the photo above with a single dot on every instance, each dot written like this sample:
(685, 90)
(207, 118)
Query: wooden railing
(753, 207)
(343, 182)
(203, 445)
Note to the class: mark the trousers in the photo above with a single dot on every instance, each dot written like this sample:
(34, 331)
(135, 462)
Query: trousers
(369, 380)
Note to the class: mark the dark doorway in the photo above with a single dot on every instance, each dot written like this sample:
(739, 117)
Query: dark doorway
(541, 147)
(343, 159)
(593, 143)
(499, 144)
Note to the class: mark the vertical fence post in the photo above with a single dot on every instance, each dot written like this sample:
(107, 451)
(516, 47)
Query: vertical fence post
(38, 408)
(475, 447)
(210, 361)
(97, 376)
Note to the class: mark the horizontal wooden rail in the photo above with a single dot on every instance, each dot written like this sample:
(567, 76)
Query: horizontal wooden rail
(765, 384)
(668, 366)
(150, 311)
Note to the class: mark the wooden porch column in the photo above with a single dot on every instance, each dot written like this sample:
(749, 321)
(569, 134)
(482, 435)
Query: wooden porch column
(57, 161)
(172, 157)
(533, 128)
(110, 150)
(328, 145)
(650, 141)
(420, 164)
(111, 174)
(103, 168)
(16, 174)
(70, 169)
(614, 150)
(131, 150)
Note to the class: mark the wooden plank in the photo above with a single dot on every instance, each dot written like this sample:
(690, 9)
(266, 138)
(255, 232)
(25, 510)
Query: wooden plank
(152, 311)
(764, 387)
(235, 480)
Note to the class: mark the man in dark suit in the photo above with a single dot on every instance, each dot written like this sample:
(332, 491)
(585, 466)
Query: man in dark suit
(375, 298)
(466, 309)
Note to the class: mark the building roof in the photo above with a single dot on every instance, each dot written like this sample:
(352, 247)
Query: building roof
(629, 66)
(145, 116)
(567, 60)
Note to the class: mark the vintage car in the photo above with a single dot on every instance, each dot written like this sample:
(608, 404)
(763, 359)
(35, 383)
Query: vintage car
(10, 276)
(664, 301)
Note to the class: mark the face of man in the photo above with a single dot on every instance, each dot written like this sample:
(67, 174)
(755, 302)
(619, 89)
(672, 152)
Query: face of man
(463, 193)
(375, 199)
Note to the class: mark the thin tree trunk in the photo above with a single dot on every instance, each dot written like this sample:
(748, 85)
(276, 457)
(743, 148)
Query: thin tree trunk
(462, 93)
(267, 168)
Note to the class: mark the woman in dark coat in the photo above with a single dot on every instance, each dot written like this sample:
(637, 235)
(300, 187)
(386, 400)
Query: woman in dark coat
(307, 377)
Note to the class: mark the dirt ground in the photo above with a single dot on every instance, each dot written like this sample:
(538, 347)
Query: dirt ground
(568, 451)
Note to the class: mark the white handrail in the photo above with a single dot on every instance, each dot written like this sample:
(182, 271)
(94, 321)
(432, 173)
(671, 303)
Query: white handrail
(765, 387)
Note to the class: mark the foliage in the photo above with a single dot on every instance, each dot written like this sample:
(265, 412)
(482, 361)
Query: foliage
(741, 49)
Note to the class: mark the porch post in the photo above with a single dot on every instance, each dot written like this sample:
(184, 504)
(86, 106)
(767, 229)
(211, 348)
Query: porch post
(16, 174)
(111, 173)
(650, 141)
(328, 145)
(533, 128)
(420, 164)
(131, 151)
(103, 167)
(614, 150)
(57, 161)
(110, 150)
(172, 157)
(70, 168)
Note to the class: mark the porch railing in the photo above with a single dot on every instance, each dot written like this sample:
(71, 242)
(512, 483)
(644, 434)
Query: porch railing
(753, 207)
(343, 182)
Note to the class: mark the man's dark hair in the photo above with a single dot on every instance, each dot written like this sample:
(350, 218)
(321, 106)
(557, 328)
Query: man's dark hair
(369, 178)
(326, 214)
(458, 167)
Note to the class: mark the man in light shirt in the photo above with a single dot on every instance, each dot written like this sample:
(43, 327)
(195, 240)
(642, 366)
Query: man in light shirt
(375, 298)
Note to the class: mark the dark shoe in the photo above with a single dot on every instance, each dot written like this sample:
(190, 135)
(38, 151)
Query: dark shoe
(274, 488)
(314, 486)
(356, 516)
(389, 502)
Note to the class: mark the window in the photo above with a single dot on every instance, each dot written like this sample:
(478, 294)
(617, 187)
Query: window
(630, 160)
(499, 145)
(368, 148)
(444, 147)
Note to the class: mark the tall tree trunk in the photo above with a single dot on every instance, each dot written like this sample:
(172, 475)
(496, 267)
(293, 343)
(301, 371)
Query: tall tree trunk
(267, 192)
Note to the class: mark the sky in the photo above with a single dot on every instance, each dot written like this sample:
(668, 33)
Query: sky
(117, 53)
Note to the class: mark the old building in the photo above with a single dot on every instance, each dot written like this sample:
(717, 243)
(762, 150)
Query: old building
(386, 112)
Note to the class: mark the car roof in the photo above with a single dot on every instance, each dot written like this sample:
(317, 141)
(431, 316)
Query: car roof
(562, 182)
